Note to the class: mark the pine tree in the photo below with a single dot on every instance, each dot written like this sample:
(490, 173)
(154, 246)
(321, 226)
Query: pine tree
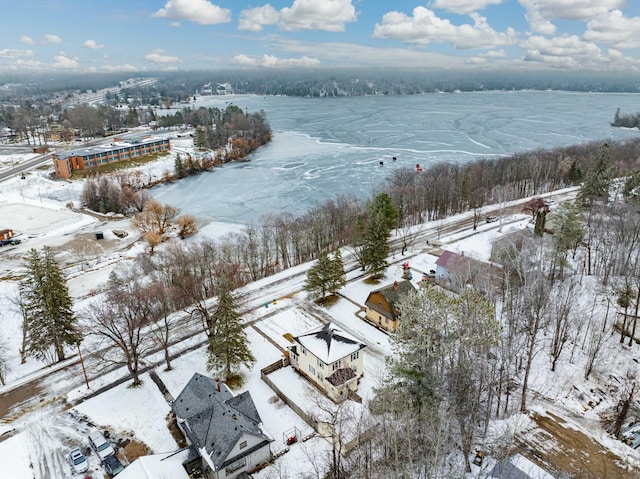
(318, 277)
(375, 247)
(338, 277)
(325, 276)
(597, 183)
(228, 343)
(50, 320)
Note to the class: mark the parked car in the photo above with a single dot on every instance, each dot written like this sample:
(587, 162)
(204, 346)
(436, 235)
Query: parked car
(112, 465)
(100, 444)
(78, 462)
(491, 219)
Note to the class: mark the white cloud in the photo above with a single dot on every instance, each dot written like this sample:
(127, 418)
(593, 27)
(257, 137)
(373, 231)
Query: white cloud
(197, 11)
(91, 44)
(49, 39)
(495, 54)
(463, 6)
(27, 40)
(565, 51)
(349, 54)
(244, 60)
(65, 62)
(327, 15)
(253, 19)
(156, 56)
(541, 12)
(117, 68)
(425, 27)
(23, 65)
(613, 28)
(175, 24)
(271, 61)
(14, 53)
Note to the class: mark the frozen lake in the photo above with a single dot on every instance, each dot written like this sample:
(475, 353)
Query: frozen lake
(323, 147)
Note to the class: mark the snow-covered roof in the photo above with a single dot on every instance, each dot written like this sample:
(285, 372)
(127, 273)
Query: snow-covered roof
(329, 343)
(517, 467)
(157, 466)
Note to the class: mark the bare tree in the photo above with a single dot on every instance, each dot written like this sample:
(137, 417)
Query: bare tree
(120, 320)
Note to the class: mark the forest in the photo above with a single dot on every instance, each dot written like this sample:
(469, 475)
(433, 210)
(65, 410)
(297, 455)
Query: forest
(181, 86)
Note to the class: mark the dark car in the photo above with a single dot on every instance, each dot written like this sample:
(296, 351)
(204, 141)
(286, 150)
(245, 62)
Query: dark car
(491, 219)
(112, 465)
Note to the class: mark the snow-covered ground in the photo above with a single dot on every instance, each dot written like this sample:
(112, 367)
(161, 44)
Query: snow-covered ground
(35, 208)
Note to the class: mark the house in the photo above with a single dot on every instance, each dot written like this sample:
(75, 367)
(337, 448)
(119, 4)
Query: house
(156, 466)
(458, 270)
(330, 358)
(517, 467)
(65, 162)
(382, 305)
(6, 234)
(224, 430)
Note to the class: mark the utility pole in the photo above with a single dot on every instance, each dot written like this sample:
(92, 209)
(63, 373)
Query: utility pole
(84, 371)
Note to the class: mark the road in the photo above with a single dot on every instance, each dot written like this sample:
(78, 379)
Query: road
(56, 381)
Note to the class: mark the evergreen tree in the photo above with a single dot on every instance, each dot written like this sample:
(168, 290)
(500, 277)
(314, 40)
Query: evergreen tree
(338, 277)
(178, 167)
(383, 206)
(574, 175)
(567, 234)
(325, 276)
(200, 141)
(50, 321)
(597, 183)
(228, 343)
(375, 248)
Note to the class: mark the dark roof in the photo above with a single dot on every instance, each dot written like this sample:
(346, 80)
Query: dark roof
(216, 420)
(450, 260)
(341, 376)
(392, 295)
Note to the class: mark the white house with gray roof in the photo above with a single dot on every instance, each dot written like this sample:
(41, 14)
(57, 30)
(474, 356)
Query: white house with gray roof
(330, 358)
(225, 431)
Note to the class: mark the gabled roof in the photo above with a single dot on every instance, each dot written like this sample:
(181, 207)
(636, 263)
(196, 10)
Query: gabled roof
(517, 467)
(216, 420)
(392, 293)
(450, 260)
(328, 343)
(157, 466)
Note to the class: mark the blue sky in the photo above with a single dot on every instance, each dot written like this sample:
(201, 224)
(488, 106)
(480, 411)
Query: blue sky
(149, 35)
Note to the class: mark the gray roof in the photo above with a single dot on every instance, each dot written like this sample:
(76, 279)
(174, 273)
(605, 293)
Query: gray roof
(506, 469)
(392, 293)
(216, 420)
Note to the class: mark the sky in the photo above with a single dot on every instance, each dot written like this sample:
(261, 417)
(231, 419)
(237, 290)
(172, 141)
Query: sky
(173, 35)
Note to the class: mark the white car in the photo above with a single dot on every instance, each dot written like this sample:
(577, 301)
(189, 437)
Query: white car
(99, 444)
(77, 460)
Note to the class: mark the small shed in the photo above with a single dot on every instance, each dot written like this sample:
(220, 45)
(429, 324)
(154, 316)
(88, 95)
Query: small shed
(6, 234)
(99, 235)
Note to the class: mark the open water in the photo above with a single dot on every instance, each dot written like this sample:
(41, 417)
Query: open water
(323, 147)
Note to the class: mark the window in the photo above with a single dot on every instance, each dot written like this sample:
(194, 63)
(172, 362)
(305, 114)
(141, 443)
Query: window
(312, 370)
(355, 355)
(235, 466)
(320, 363)
(304, 351)
(337, 365)
(243, 444)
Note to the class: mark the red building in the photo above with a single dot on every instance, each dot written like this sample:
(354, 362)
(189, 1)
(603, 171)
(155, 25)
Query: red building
(64, 163)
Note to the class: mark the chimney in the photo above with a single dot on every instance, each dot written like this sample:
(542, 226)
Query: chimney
(395, 286)
(218, 384)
